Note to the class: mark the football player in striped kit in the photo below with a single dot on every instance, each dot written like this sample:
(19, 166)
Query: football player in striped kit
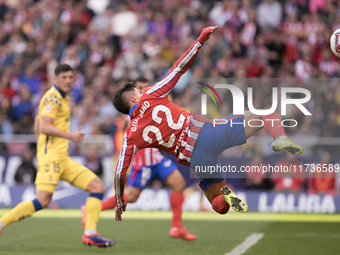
(157, 123)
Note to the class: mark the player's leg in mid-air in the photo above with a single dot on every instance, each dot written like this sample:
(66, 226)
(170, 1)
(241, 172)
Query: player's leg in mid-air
(81, 177)
(272, 124)
(213, 140)
(165, 171)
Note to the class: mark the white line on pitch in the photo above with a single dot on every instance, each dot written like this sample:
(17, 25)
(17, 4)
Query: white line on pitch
(247, 243)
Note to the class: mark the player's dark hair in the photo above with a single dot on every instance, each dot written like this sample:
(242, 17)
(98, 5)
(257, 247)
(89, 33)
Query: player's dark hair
(141, 79)
(120, 101)
(62, 68)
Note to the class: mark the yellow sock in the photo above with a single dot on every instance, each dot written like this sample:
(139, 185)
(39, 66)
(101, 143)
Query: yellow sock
(93, 208)
(20, 212)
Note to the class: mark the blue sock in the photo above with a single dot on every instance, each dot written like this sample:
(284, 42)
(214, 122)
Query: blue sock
(37, 205)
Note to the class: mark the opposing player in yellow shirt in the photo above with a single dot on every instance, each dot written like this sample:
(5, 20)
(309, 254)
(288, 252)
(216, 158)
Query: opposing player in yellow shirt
(54, 163)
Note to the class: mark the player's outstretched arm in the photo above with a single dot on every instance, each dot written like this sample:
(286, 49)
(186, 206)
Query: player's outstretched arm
(47, 128)
(162, 88)
(124, 161)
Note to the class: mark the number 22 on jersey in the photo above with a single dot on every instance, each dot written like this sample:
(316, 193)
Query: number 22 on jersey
(157, 132)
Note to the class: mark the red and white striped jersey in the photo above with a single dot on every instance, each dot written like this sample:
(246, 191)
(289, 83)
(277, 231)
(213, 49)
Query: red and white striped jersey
(146, 157)
(157, 123)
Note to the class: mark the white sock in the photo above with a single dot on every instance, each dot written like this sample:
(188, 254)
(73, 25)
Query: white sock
(282, 136)
(90, 232)
(1, 225)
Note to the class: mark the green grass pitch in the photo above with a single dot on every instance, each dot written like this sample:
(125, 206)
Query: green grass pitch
(59, 232)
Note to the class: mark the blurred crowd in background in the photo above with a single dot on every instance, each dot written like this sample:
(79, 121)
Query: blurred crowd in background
(111, 42)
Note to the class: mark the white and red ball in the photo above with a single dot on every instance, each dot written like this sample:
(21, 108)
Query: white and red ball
(335, 43)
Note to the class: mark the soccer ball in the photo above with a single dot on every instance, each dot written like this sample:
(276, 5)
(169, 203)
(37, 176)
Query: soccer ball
(335, 43)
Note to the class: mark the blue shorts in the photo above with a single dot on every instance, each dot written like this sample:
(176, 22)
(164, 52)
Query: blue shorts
(210, 143)
(141, 177)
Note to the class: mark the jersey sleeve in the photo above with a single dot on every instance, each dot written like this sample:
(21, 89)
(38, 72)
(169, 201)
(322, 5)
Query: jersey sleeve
(163, 87)
(124, 161)
(50, 105)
